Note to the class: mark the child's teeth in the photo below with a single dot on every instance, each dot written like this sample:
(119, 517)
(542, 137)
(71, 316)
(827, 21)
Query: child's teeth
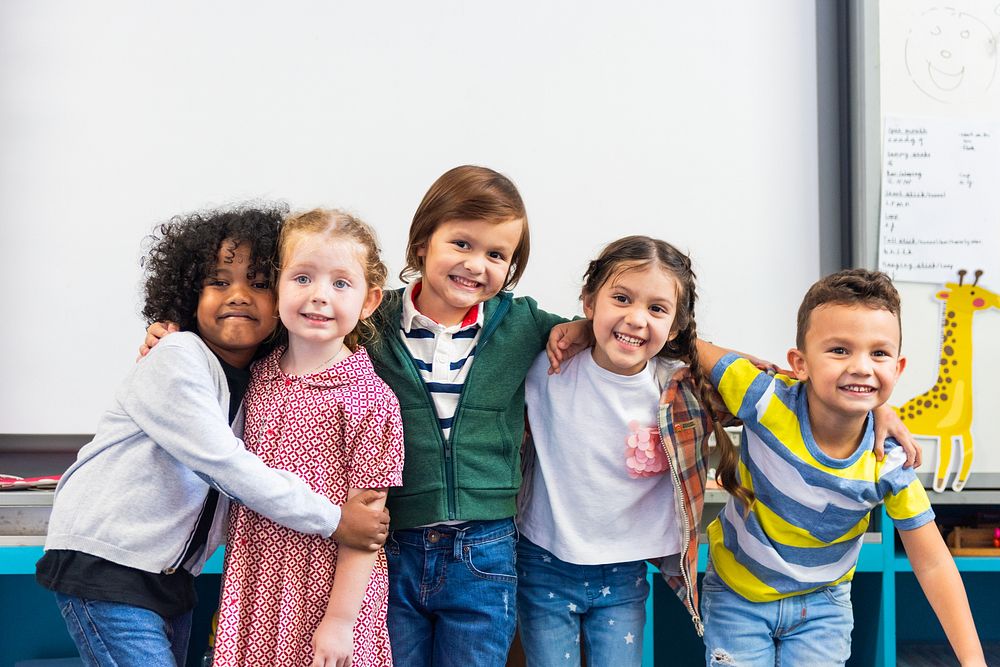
(628, 339)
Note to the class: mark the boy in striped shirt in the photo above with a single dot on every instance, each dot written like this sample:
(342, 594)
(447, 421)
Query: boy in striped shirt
(777, 588)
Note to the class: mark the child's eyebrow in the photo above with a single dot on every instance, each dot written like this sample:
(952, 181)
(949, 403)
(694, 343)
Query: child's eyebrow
(849, 342)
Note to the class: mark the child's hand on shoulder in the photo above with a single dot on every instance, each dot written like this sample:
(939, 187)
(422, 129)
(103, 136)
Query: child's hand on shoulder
(154, 333)
(765, 365)
(888, 424)
(567, 340)
(333, 643)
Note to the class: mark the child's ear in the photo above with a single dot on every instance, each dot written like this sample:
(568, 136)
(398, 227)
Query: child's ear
(372, 301)
(797, 362)
(588, 306)
(900, 365)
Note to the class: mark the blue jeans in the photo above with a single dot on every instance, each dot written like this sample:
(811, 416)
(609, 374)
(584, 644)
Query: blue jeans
(113, 634)
(561, 605)
(810, 629)
(452, 594)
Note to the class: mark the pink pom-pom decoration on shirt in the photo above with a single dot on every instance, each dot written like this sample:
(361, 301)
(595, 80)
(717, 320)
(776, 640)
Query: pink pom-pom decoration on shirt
(644, 453)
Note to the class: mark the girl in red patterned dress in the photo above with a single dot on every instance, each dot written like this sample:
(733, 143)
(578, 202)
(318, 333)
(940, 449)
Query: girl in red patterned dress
(316, 408)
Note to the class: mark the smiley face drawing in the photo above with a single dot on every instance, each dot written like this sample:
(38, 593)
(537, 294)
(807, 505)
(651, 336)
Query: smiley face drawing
(951, 56)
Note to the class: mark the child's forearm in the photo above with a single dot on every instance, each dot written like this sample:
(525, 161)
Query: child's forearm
(354, 571)
(333, 641)
(942, 584)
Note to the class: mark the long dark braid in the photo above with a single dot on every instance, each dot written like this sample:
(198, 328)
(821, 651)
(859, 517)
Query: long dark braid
(633, 252)
(729, 457)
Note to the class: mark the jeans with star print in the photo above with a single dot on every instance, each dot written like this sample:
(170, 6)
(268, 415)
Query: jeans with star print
(562, 606)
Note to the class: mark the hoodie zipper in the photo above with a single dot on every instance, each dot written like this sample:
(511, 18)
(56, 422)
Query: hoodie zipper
(488, 329)
(487, 332)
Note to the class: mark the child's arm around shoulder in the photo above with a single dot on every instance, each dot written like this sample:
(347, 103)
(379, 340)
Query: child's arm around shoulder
(709, 354)
(566, 340)
(935, 569)
(154, 332)
(172, 399)
(887, 423)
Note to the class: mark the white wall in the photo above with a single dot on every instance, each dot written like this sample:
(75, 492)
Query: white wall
(694, 122)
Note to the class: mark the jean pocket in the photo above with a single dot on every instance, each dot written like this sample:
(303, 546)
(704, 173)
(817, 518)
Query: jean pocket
(493, 560)
(65, 604)
(839, 595)
(528, 552)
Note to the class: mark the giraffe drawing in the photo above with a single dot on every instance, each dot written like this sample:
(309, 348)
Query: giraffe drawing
(945, 411)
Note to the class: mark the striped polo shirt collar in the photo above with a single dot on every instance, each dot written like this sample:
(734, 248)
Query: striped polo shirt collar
(411, 317)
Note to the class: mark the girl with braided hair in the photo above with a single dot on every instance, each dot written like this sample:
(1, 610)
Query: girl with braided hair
(615, 470)
(620, 439)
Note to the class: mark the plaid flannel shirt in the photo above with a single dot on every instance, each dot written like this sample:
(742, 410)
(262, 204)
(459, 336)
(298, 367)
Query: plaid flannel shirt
(684, 431)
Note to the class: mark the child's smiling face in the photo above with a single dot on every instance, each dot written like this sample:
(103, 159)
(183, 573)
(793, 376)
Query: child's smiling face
(465, 262)
(236, 306)
(322, 292)
(850, 359)
(633, 313)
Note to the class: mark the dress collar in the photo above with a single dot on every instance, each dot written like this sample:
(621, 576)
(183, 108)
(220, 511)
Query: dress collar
(357, 366)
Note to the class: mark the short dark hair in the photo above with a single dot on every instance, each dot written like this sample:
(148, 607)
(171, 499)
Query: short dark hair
(468, 193)
(849, 287)
(184, 250)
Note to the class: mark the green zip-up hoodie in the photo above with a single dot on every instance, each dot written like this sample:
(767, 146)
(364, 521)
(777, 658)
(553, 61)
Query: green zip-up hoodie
(475, 475)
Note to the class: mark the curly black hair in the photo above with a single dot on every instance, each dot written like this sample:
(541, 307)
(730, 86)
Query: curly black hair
(184, 250)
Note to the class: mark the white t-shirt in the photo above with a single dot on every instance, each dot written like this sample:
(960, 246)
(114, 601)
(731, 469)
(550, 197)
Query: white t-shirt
(581, 502)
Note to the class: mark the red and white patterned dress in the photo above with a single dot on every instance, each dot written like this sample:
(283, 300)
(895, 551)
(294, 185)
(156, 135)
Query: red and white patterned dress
(336, 429)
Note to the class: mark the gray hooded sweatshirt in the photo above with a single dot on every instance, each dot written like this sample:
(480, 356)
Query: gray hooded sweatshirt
(136, 491)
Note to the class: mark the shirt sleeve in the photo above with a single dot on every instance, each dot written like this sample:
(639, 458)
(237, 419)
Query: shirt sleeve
(741, 385)
(174, 400)
(906, 500)
(377, 447)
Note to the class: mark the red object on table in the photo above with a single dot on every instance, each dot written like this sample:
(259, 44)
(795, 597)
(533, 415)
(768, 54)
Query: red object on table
(15, 483)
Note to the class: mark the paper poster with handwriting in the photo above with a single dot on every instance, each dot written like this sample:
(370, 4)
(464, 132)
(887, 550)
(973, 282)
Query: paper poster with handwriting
(940, 198)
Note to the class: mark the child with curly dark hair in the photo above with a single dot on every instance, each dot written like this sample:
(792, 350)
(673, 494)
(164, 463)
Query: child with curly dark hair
(144, 505)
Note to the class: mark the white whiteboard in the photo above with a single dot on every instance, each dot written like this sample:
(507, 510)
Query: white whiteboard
(939, 61)
(693, 122)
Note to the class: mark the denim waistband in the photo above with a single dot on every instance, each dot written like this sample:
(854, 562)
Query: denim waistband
(446, 537)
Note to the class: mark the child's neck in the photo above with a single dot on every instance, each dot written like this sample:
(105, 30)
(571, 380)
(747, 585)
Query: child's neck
(301, 358)
(836, 434)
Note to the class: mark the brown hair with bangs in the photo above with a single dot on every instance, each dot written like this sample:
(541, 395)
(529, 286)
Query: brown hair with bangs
(468, 193)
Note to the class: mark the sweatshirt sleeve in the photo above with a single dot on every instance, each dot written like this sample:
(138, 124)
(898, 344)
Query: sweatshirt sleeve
(544, 321)
(174, 400)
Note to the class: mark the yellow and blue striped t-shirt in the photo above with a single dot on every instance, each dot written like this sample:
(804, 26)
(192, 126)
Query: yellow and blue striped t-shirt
(805, 528)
